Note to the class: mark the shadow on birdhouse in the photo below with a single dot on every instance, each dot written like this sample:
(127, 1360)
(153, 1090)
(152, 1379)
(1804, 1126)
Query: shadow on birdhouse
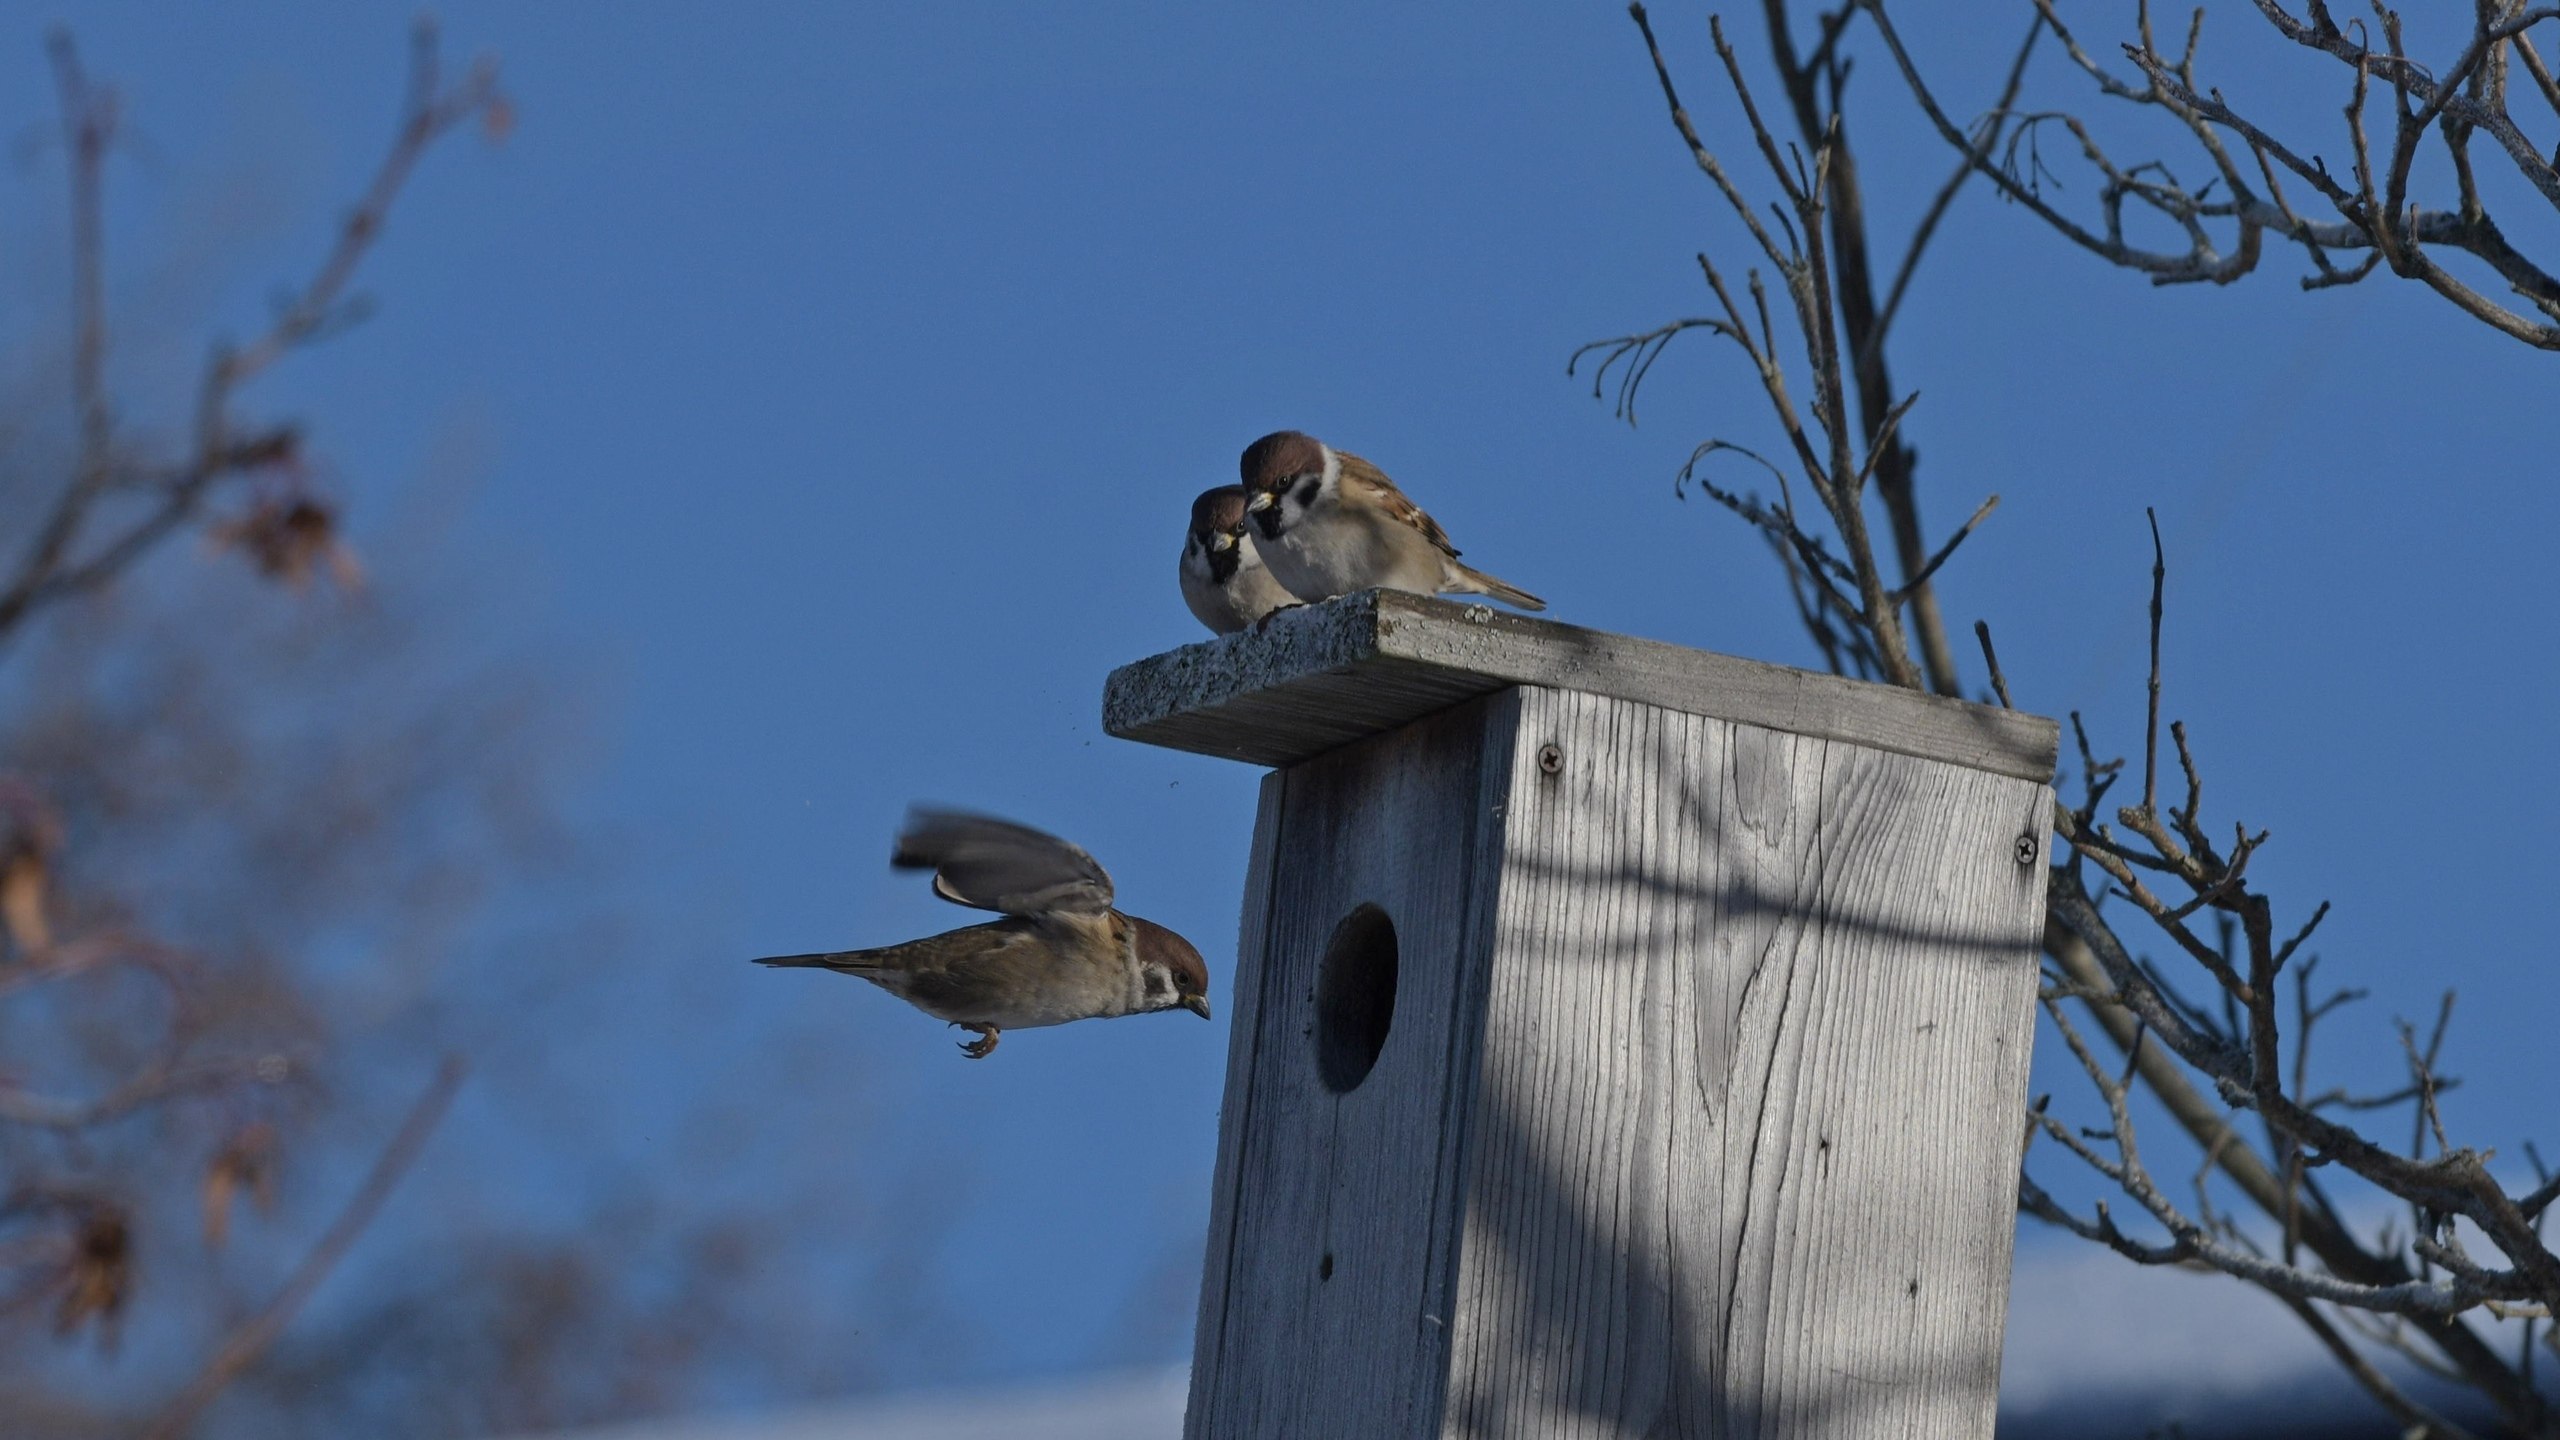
(1701, 1112)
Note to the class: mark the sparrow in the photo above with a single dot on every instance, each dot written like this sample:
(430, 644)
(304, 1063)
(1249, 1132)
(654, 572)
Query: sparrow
(1333, 523)
(1223, 578)
(1061, 953)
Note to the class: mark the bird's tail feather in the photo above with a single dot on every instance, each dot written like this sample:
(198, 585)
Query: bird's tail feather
(1476, 582)
(827, 960)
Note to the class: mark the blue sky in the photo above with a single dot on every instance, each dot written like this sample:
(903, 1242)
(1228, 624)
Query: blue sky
(830, 383)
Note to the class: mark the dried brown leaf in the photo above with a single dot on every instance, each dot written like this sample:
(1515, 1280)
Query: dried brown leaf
(246, 1161)
(97, 1276)
(291, 537)
(22, 901)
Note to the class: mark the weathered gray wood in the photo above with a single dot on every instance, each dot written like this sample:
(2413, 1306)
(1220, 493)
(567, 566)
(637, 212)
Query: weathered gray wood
(1745, 1125)
(1244, 1056)
(1324, 675)
(1698, 1113)
(1335, 1218)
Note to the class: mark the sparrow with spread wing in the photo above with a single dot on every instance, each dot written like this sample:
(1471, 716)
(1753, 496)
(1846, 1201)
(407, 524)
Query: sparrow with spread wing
(1333, 523)
(1061, 953)
(1223, 578)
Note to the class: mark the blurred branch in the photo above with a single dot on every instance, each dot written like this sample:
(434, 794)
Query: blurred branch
(163, 1075)
(55, 565)
(136, 1049)
(88, 126)
(253, 1336)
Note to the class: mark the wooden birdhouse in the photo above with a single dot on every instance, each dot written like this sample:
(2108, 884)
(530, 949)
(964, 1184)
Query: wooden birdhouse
(1628, 1040)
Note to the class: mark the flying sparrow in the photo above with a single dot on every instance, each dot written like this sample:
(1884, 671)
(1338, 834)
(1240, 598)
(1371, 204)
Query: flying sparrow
(1061, 953)
(1223, 579)
(1333, 523)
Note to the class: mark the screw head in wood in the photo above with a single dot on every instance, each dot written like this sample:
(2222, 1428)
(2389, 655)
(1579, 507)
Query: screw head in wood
(2025, 849)
(1550, 759)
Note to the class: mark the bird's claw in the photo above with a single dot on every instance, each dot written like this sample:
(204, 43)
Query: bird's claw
(1275, 612)
(983, 1046)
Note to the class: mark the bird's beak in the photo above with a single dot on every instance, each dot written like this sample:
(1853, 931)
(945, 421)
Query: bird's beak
(1223, 540)
(1197, 1005)
(1261, 501)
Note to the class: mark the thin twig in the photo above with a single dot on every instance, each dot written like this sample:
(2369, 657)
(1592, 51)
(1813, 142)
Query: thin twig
(1945, 198)
(1912, 585)
(50, 571)
(2151, 719)
(1991, 661)
(253, 1337)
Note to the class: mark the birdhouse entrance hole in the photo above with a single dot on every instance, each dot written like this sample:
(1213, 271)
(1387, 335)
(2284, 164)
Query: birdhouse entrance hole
(1355, 998)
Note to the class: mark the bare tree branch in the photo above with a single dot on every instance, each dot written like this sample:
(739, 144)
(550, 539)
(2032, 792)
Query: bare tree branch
(2452, 103)
(2157, 865)
(251, 1339)
(224, 448)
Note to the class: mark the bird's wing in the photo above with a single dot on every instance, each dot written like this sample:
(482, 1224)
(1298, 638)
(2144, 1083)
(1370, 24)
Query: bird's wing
(991, 864)
(1398, 505)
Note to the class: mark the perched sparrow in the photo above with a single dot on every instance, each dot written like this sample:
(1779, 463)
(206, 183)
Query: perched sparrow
(1223, 580)
(1061, 953)
(1333, 523)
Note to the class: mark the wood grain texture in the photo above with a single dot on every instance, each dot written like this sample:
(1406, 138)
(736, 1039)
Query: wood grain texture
(1322, 676)
(1335, 1216)
(1699, 1112)
(1745, 1126)
(1244, 1055)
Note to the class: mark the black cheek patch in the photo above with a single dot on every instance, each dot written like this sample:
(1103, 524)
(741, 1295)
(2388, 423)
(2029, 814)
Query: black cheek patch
(1307, 489)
